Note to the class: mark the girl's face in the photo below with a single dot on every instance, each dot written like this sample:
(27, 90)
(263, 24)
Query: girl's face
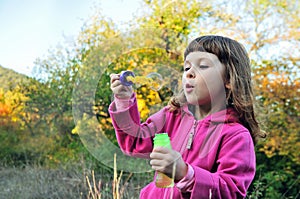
(203, 79)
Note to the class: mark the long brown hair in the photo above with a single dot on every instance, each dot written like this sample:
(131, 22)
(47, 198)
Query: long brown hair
(237, 73)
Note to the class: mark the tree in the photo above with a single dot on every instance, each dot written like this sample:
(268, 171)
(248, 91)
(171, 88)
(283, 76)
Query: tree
(77, 77)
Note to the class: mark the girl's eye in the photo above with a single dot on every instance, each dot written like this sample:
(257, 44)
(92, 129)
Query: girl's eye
(203, 66)
(186, 68)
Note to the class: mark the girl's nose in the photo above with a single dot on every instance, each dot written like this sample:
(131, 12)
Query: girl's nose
(190, 73)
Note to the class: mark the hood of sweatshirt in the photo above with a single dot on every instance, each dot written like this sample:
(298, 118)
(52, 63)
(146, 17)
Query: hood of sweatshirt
(228, 115)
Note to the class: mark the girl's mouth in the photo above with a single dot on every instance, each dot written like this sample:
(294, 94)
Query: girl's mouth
(189, 88)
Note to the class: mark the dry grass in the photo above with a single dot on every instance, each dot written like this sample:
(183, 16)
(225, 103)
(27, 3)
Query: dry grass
(118, 187)
(36, 182)
(33, 182)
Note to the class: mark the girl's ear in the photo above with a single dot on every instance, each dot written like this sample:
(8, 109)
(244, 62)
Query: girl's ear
(227, 85)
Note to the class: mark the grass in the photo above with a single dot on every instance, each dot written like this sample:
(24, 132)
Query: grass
(33, 182)
(36, 182)
(120, 188)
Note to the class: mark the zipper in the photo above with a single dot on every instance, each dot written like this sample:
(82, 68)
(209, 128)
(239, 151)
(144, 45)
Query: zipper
(191, 135)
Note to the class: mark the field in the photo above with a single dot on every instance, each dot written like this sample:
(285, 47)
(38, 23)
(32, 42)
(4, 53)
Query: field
(35, 182)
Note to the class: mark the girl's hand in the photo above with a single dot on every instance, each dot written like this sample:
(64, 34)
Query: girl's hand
(163, 159)
(119, 90)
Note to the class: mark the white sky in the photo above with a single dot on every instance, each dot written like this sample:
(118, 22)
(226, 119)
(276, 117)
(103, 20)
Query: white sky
(29, 28)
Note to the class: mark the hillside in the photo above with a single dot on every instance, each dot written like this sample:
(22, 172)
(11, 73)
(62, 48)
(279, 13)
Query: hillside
(10, 78)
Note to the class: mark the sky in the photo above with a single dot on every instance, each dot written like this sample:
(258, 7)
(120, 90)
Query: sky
(29, 28)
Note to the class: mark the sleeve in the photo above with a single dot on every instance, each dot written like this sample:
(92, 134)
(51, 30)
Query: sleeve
(186, 184)
(134, 137)
(121, 104)
(235, 170)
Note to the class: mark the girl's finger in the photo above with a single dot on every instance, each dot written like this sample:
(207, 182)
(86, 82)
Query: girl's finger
(157, 155)
(155, 162)
(114, 77)
(157, 165)
(115, 83)
(161, 149)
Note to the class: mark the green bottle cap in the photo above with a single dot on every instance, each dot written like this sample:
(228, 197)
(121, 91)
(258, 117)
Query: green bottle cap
(162, 139)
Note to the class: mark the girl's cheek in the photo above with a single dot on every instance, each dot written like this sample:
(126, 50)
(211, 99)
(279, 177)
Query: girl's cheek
(183, 79)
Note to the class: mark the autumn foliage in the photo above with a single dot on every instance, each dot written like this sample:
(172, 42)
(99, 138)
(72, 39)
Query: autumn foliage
(37, 117)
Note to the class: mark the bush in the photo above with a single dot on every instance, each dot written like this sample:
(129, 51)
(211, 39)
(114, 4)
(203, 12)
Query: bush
(276, 177)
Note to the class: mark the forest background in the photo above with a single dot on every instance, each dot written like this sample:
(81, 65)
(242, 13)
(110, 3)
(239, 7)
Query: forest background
(55, 127)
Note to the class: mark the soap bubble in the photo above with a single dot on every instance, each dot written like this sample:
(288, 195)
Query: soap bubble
(95, 130)
(156, 81)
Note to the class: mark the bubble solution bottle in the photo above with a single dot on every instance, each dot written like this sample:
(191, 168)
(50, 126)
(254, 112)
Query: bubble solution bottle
(162, 180)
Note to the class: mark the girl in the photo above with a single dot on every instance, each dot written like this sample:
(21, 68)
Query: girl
(211, 124)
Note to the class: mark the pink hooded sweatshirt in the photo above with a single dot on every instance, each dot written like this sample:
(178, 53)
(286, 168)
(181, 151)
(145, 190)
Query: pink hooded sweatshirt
(218, 150)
